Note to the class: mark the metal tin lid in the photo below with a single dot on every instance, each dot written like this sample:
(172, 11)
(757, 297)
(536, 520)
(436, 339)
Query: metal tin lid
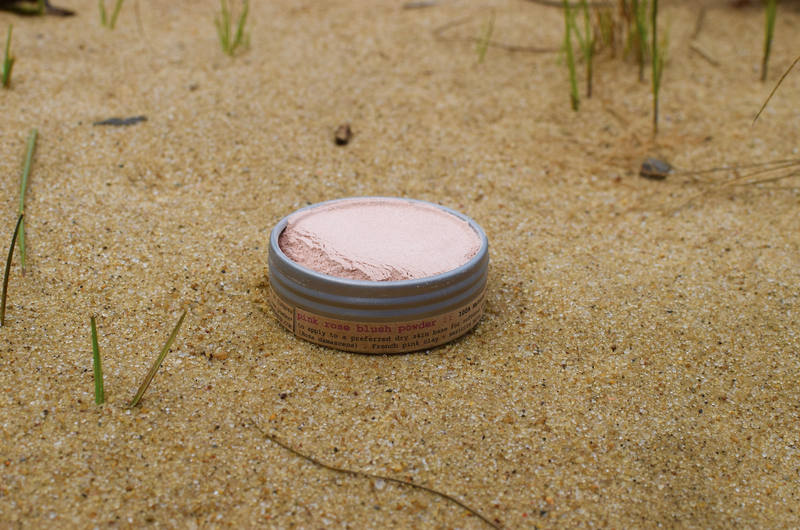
(373, 301)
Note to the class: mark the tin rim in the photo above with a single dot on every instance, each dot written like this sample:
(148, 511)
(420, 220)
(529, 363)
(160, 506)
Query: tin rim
(435, 282)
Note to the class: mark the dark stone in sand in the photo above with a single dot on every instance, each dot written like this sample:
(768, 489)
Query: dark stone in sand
(121, 122)
(655, 169)
(343, 134)
(11, 4)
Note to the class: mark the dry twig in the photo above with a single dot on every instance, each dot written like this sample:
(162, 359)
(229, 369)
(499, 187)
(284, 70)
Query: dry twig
(8, 270)
(426, 3)
(439, 34)
(576, 5)
(369, 475)
(763, 175)
(774, 89)
(698, 25)
(702, 52)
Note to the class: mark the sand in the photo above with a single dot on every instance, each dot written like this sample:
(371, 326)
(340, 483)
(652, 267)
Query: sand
(633, 369)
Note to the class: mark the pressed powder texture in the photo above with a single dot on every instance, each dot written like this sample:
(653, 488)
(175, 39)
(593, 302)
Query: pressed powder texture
(378, 240)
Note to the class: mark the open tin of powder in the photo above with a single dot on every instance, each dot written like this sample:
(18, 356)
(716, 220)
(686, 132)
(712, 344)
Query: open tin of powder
(416, 274)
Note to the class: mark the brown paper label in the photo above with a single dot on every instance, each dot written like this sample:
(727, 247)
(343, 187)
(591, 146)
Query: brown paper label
(283, 311)
(381, 338)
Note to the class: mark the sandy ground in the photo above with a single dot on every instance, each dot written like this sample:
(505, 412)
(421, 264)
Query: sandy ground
(633, 369)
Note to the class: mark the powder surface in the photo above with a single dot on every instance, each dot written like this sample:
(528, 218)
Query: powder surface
(378, 240)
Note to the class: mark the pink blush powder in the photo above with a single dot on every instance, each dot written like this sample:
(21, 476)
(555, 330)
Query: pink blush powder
(378, 240)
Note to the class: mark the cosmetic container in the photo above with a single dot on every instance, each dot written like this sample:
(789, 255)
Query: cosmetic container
(378, 317)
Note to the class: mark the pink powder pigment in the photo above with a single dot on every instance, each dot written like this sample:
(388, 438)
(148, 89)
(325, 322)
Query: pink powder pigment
(378, 240)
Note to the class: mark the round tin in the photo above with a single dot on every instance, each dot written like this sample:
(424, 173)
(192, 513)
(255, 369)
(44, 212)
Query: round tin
(378, 317)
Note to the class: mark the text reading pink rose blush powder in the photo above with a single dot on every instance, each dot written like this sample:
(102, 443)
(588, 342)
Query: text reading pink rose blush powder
(378, 240)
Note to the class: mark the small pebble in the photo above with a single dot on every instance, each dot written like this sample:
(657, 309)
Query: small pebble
(343, 134)
(121, 122)
(655, 169)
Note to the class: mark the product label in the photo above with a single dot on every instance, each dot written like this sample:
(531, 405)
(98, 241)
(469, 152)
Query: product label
(380, 338)
(283, 311)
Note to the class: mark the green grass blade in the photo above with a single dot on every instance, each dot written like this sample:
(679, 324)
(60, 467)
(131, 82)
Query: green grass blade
(99, 392)
(239, 40)
(115, 14)
(225, 24)
(588, 46)
(7, 72)
(769, 33)
(8, 60)
(587, 22)
(8, 270)
(640, 18)
(158, 362)
(231, 38)
(485, 38)
(657, 63)
(573, 79)
(22, 247)
(103, 19)
(577, 32)
(23, 186)
(606, 23)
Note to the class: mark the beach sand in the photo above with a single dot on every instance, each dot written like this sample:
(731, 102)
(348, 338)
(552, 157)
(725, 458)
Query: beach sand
(633, 369)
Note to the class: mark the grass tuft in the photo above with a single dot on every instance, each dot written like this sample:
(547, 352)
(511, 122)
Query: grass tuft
(485, 38)
(99, 392)
(607, 27)
(587, 43)
(104, 21)
(114, 14)
(769, 33)
(23, 186)
(8, 270)
(228, 38)
(149, 377)
(8, 60)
